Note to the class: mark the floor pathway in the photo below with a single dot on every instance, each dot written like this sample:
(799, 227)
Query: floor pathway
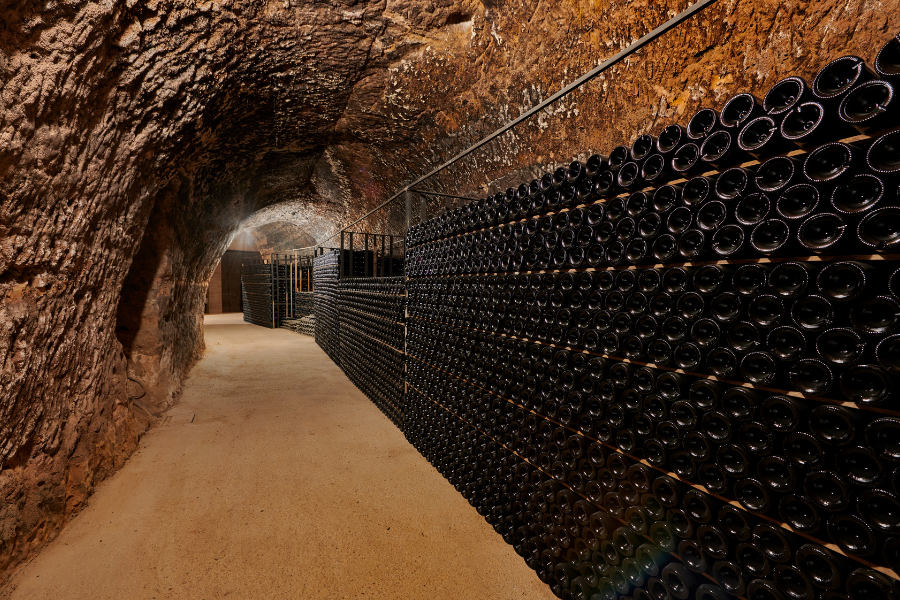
(288, 484)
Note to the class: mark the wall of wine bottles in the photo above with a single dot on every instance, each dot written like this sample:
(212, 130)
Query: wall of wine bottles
(372, 313)
(325, 302)
(668, 373)
(358, 263)
(263, 289)
(303, 304)
(304, 325)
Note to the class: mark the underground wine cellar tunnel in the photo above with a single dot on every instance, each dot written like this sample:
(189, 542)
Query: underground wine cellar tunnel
(379, 422)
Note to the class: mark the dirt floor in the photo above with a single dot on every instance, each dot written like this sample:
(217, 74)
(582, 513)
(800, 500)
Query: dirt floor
(274, 477)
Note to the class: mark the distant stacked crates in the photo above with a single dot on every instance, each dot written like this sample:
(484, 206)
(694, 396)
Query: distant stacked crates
(385, 266)
(303, 304)
(261, 284)
(362, 261)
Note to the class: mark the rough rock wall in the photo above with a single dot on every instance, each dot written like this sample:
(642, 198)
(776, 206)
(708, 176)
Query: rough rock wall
(136, 138)
(521, 53)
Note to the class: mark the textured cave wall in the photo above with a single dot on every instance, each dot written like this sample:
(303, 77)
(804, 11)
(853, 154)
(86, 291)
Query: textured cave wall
(521, 53)
(445, 89)
(136, 139)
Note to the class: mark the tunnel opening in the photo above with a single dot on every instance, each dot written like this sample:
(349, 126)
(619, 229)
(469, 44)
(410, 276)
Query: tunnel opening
(223, 293)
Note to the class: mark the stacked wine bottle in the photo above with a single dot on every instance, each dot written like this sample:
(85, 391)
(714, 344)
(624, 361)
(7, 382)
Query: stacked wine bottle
(304, 304)
(261, 286)
(304, 325)
(303, 274)
(325, 300)
(668, 372)
(372, 311)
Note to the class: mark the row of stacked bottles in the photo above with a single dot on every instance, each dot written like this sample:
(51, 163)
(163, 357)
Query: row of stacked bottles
(372, 314)
(263, 287)
(668, 372)
(325, 303)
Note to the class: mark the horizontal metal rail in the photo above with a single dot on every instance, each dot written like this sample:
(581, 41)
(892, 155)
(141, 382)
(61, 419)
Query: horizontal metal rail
(618, 57)
(442, 195)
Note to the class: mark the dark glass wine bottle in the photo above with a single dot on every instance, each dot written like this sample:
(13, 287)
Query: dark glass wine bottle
(880, 230)
(797, 202)
(702, 124)
(821, 566)
(679, 580)
(842, 281)
(866, 385)
(831, 163)
(870, 106)
(860, 466)
(800, 513)
(858, 194)
(760, 137)
(838, 77)
(595, 164)
(777, 473)
(642, 147)
(721, 362)
(618, 157)
(693, 556)
(712, 215)
(811, 376)
(752, 209)
(823, 232)
(670, 139)
(629, 176)
(881, 510)
(810, 124)
(853, 535)
(812, 313)
(771, 235)
(734, 183)
(840, 346)
(777, 174)
(728, 241)
(827, 490)
(784, 95)
(720, 150)
(740, 109)
(882, 435)
(656, 169)
(888, 353)
(759, 368)
(686, 160)
(782, 414)
(804, 450)
(866, 583)
(773, 542)
(790, 579)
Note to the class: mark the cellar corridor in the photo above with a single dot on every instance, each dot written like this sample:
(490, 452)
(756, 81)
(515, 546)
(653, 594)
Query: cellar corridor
(289, 483)
(587, 300)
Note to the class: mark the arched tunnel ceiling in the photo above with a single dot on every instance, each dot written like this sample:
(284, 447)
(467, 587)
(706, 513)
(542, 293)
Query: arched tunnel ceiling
(281, 237)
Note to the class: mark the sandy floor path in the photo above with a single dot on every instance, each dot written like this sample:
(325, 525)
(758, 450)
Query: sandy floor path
(289, 483)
